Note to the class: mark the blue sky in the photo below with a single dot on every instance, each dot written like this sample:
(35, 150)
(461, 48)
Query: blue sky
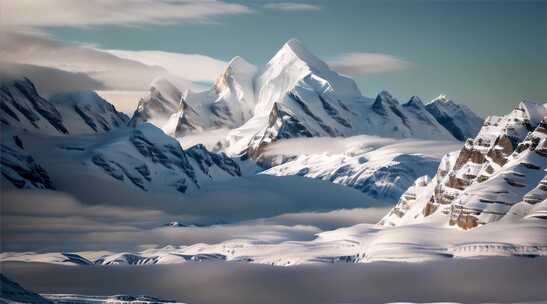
(487, 54)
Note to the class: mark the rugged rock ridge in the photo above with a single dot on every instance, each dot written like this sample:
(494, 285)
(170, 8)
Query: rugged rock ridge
(504, 165)
(70, 113)
(206, 160)
(522, 173)
(234, 92)
(228, 103)
(23, 107)
(409, 200)
(137, 156)
(384, 117)
(162, 100)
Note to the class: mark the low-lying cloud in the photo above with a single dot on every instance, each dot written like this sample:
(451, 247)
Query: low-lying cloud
(53, 221)
(492, 280)
(327, 220)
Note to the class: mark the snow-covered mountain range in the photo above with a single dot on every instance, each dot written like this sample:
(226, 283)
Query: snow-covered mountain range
(293, 95)
(82, 132)
(292, 117)
(297, 95)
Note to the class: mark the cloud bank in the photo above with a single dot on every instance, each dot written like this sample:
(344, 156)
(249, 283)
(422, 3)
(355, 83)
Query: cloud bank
(121, 76)
(326, 220)
(492, 280)
(55, 221)
(114, 72)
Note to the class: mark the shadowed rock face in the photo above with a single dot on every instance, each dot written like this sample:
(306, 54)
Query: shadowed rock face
(20, 96)
(459, 120)
(281, 125)
(79, 108)
(162, 100)
(12, 291)
(22, 170)
(227, 104)
(66, 113)
(206, 160)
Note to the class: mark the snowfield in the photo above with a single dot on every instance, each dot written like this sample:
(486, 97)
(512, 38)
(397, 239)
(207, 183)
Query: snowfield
(381, 167)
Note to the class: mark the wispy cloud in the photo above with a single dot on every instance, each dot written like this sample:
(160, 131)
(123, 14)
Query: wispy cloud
(292, 6)
(194, 67)
(81, 13)
(359, 64)
(116, 70)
